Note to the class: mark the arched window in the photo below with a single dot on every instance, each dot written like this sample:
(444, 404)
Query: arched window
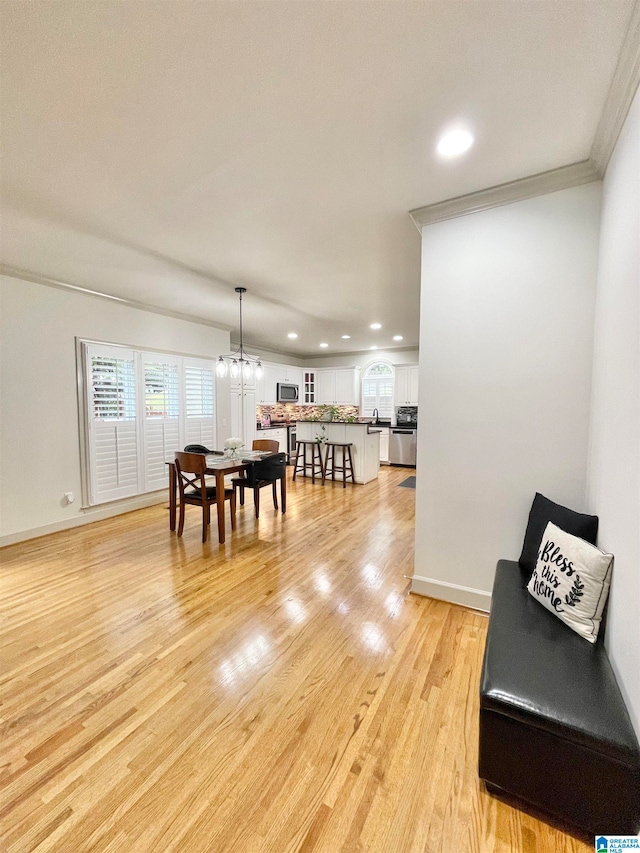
(377, 390)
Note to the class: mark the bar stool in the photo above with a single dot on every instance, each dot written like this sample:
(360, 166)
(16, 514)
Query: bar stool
(313, 463)
(347, 461)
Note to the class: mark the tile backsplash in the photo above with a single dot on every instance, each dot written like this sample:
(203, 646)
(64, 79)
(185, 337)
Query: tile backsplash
(292, 412)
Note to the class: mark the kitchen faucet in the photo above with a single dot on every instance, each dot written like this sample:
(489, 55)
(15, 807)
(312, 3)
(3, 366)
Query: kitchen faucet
(376, 414)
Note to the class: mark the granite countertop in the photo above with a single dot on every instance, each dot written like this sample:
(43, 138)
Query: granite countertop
(276, 425)
(371, 427)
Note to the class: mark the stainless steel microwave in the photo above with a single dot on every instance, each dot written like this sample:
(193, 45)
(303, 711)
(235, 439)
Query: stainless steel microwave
(287, 393)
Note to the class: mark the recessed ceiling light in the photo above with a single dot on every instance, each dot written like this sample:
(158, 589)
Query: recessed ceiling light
(324, 346)
(292, 335)
(454, 143)
(374, 347)
(397, 337)
(375, 326)
(346, 337)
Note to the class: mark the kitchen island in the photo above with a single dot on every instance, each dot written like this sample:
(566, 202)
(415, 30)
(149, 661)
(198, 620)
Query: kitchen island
(364, 438)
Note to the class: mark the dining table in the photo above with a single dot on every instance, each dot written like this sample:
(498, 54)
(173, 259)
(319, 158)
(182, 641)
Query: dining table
(218, 465)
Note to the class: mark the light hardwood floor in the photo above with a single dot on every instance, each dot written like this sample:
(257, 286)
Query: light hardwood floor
(282, 692)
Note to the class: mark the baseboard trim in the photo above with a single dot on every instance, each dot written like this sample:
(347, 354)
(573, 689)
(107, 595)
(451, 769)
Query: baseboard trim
(478, 599)
(88, 516)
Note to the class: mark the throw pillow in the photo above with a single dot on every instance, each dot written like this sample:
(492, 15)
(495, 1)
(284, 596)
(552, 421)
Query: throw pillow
(571, 579)
(542, 512)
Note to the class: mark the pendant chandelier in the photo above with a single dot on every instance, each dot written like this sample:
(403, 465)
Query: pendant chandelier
(238, 363)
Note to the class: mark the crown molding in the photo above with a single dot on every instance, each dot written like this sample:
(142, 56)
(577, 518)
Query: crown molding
(624, 85)
(563, 178)
(36, 278)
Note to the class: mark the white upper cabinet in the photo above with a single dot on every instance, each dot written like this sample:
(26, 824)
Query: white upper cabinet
(348, 386)
(406, 385)
(266, 390)
(267, 387)
(325, 386)
(294, 376)
(339, 387)
(308, 394)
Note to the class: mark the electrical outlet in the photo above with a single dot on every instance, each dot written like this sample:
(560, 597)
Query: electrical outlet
(224, 422)
(69, 497)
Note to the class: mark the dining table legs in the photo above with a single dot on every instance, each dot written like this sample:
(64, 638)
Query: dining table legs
(220, 505)
(173, 493)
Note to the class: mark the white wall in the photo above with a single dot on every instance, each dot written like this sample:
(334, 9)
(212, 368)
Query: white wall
(39, 432)
(614, 460)
(507, 308)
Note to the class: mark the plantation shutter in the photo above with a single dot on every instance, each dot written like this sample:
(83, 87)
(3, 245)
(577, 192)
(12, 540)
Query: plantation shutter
(199, 392)
(377, 391)
(161, 417)
(140, 408)
(112, 422)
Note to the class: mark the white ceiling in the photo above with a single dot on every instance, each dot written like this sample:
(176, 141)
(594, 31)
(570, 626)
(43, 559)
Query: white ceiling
(168, 152)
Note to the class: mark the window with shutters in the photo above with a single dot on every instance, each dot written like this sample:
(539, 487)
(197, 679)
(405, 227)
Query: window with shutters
(162, 434)
(112, 423)
(161, 396)
(140, 408)
(113, 387)
(377, 390)
(199, 385)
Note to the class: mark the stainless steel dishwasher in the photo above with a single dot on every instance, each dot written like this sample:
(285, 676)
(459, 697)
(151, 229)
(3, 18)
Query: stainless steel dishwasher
(402, 446)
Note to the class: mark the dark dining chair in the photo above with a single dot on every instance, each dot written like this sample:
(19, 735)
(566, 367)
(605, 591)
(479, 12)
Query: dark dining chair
(190, 471)
(268, 445)
(267, 472)
(200, 448)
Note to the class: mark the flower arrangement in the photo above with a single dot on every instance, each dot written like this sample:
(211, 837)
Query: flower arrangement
(321, 437)
(232, 448)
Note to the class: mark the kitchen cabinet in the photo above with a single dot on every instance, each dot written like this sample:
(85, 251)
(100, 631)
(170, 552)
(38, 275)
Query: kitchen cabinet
(308, 389)
(326, 387)
(243, 416)
(294, 376)
(248, 384)
(267, 387)
(339, 387)
(279, 435)
(365, 445)
(384, 444)
(406, 385)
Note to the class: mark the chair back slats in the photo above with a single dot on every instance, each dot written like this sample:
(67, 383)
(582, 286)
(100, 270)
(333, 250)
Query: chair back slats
(269, 444)
(191, 463)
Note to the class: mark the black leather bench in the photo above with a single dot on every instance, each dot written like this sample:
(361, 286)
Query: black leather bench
(554, 729)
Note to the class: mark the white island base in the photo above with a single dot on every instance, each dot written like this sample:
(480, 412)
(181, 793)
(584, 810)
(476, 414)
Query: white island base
(365, 445)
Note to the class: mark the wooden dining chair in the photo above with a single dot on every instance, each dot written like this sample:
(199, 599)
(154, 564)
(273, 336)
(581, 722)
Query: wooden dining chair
(267, 444)
(190, 471)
